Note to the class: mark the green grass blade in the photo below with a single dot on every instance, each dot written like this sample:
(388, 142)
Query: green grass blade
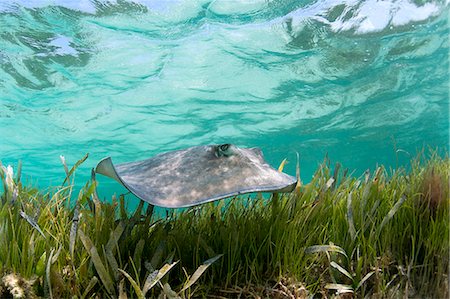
(169, 293)
(158, 255)
(335, 174)
(63, 162)
(137, 289)
(351, 225)
(3, 177)
(282, 164)
(19, 171)
(205, 246)
(89, 287)
(365, 278)
(111, 245)
(123, 211)
(94, 186)
(113, 263)
(32, 222)
(149, 281)
(329, 183)
(48, 274)
(325, 248)
(341, 269)
(72, 170)
(101, 270)
(154, 277)
(138, 254)
(138, 212)
(341, 288)
(297, 171)
(122, 293)
(391, 213)
(98, 264)
(200, 271)
(73, 229)
(56, 255)
(87, 243)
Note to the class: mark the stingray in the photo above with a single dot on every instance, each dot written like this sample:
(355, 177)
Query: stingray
(197, 175)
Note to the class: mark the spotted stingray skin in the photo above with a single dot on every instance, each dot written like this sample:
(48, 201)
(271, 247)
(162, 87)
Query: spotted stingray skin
(197, 175)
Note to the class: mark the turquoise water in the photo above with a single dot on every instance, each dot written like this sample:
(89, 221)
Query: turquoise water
(365, 81)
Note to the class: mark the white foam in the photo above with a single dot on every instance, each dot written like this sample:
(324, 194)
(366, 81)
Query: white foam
(409, 12)
(372, 16)
(365, 16)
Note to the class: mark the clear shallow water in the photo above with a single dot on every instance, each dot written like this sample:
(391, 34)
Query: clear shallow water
(354, 79)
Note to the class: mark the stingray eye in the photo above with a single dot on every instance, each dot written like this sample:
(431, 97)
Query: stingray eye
(224, 150)
(224, 147)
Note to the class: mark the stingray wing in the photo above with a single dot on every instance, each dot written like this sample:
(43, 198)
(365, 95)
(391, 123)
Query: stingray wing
(197, 175)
